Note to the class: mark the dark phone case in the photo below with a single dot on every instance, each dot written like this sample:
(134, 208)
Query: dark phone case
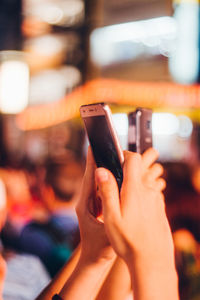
(140, 130)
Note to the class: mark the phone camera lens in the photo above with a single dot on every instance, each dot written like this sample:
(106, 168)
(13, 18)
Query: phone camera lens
(148, 124)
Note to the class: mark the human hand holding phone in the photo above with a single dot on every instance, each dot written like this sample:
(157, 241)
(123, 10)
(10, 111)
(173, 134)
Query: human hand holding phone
(91, 229)
(137, 227)
(96, 254)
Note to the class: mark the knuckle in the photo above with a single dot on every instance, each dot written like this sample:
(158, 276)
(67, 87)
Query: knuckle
(159, 167)
(163, 183)
(132, 155)
(78, 209)
(137, 156)
(151, 151)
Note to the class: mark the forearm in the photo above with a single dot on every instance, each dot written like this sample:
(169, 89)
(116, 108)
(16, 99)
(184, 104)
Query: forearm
(59, 280)
(86, 280)
(117, 285)
(152, 281)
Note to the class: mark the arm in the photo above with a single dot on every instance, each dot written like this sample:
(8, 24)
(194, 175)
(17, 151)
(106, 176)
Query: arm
(94, 245)
(59, 280)
(117, 285)
(97, 256)
(86, 280)
(138, 229)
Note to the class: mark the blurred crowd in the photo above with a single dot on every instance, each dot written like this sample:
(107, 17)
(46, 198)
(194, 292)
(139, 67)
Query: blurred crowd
(40, 228)
(182, 196)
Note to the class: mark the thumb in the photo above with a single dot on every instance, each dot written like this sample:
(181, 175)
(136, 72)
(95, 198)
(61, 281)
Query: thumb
(88, 179)
(87, 190)
(109, 194)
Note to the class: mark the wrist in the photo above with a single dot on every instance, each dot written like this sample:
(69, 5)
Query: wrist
(159, 255)
(149, 282)
(151, 275)
(100, 259)
(152, 264)
(104, 256)
(88, 276)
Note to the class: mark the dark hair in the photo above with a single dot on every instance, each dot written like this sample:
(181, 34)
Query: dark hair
(72, 168)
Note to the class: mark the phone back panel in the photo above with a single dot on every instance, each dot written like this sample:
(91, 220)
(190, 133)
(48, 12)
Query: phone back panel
(140, 135)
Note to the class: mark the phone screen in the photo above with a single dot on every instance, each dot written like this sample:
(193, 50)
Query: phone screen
(103, 147)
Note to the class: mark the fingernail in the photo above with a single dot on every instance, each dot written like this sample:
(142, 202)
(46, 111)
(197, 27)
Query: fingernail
(101, 175)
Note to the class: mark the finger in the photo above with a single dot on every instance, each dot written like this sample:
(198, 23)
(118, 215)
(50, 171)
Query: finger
(155, 171)
(132, 163)
(132, 169)
(88, 183)
(90, 162)
(109, 193)
(159, 184)
(149, 157)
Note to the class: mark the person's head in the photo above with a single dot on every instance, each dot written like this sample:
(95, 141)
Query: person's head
(64, 178)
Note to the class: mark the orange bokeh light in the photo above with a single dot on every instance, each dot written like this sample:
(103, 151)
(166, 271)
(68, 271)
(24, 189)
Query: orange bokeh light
(143, 94)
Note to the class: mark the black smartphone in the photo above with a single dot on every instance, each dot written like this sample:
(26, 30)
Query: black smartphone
(103, 138)
(140, 130)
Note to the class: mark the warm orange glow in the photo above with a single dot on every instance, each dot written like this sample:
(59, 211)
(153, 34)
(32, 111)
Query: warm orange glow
(32, 26)
(143, 94)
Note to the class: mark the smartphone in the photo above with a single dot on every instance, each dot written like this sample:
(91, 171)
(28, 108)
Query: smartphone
(140, 130)
(103, 138)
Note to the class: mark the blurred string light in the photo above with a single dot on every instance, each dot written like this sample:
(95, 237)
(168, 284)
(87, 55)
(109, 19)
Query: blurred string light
(14, 82)
(47, 51)
(130, 40)
(50, 50)
(120, 121)
(46, 44)
(113, 91)
(185, 126)
(49, 13)
(170, 124)
(56, 12)
(53, 84)
(184, 63)
(164, 124)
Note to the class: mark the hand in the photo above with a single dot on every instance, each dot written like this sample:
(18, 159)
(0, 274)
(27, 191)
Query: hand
(97, 255)
(135, 221)
(94, 242)
(152, 171)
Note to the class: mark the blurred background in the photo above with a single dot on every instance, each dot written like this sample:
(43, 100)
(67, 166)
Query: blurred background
(56, 55)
